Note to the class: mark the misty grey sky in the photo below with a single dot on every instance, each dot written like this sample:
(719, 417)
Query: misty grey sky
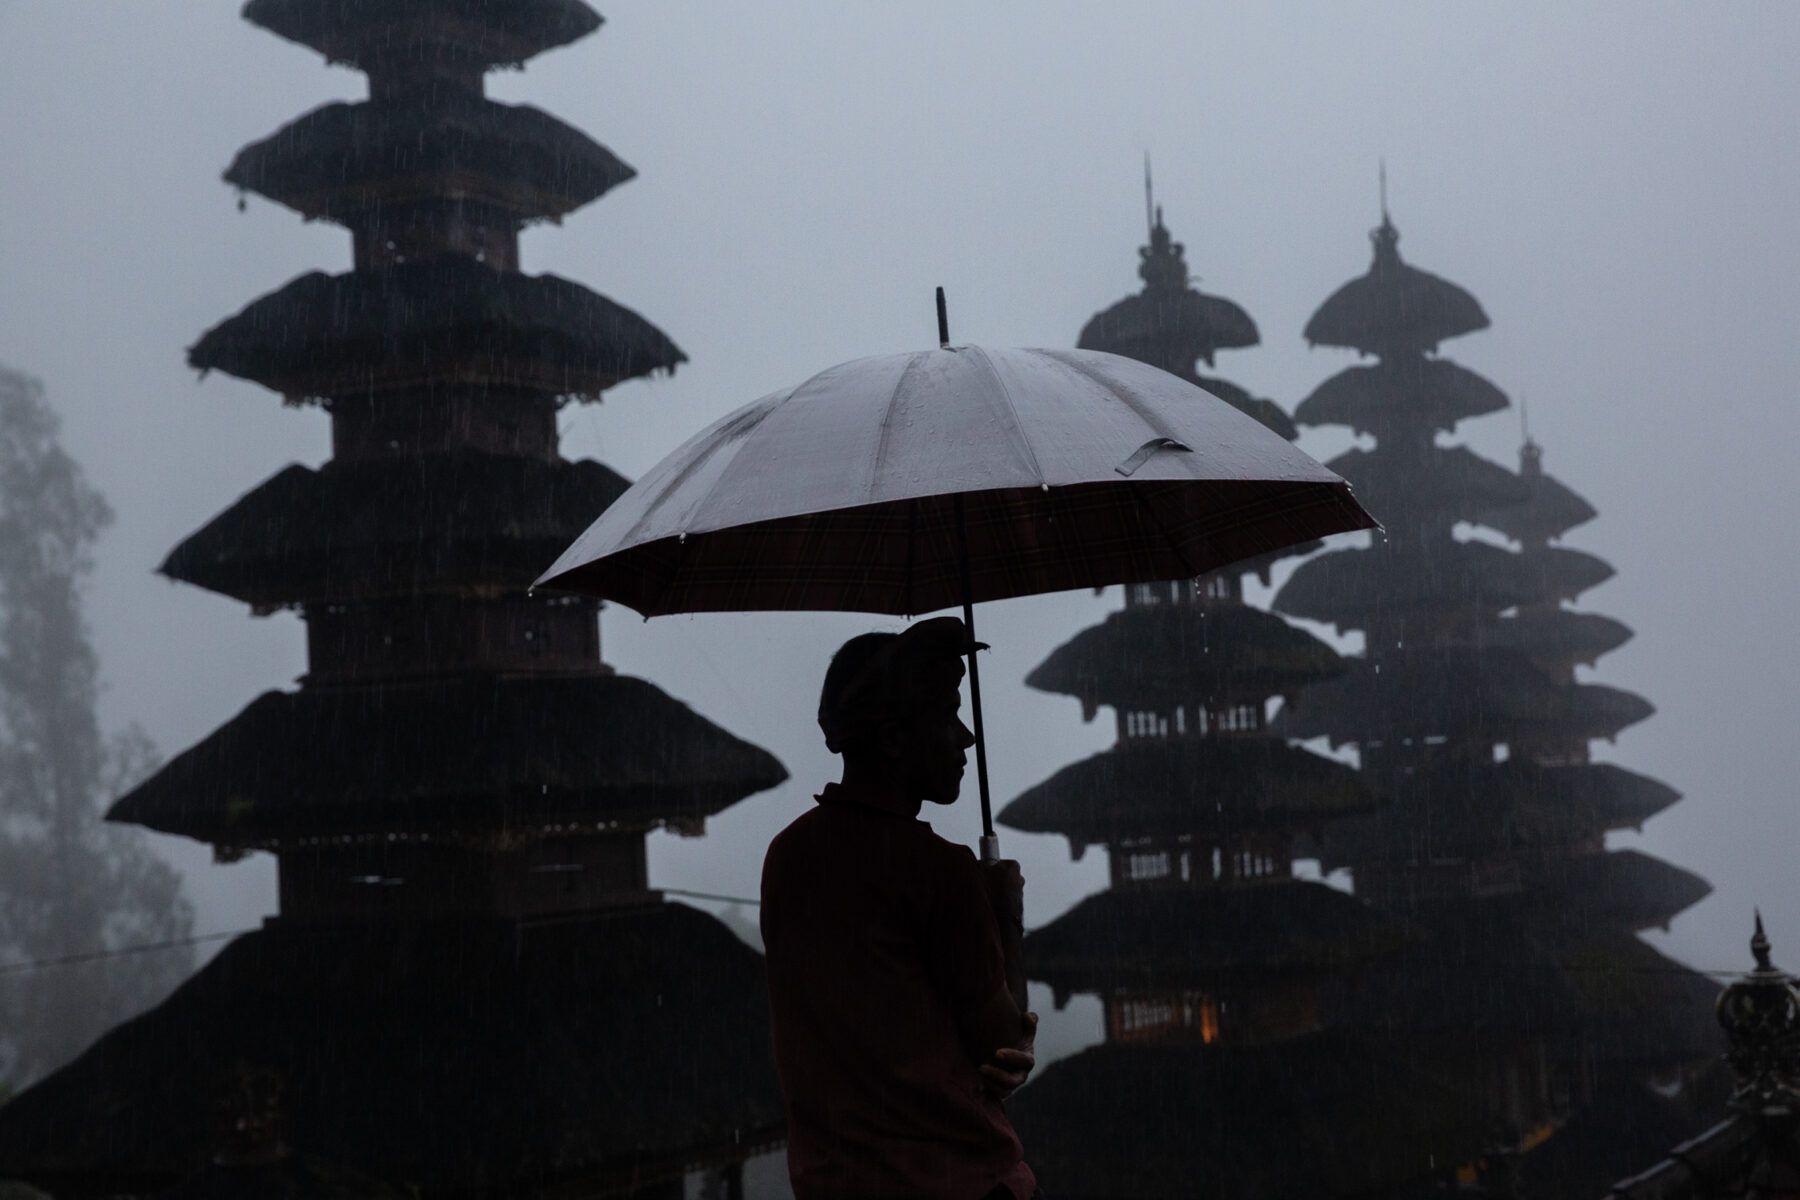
(1617, 183)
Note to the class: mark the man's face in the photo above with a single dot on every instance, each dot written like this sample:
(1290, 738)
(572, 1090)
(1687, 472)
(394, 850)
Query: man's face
(931, 750)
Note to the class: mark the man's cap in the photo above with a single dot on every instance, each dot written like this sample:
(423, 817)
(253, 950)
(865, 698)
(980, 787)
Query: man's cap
(874, 675)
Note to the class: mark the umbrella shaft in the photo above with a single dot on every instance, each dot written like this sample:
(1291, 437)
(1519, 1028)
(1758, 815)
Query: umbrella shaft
(981, 772)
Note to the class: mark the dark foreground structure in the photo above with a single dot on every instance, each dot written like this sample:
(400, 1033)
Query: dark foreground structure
(1754, 1153)
(470, 990)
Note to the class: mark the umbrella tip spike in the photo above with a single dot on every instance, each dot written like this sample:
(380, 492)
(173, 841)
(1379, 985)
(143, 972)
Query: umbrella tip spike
(943, 315)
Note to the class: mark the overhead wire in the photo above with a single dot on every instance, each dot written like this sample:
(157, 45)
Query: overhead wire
(68, 960)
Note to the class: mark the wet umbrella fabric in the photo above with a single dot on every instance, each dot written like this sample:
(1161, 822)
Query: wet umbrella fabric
(855, 490)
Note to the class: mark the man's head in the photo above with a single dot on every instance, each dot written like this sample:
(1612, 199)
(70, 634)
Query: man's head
(891, 702)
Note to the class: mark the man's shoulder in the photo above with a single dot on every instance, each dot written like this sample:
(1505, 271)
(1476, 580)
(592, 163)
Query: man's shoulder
(943, 847)
(842, 824)
(796, 832)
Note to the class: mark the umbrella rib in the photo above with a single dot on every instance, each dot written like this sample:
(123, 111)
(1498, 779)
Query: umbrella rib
(741, 424)
(1017, 424)
(887, 421)
(1113, 388)
(1187, 565)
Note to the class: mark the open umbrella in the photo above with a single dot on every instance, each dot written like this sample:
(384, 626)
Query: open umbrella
(906, 483)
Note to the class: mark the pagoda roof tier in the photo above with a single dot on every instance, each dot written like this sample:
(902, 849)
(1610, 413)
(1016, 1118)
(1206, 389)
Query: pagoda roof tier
(1457, 693)
(359, 528)
(1256, 407)
(1348, 587)
(1169, 328)
(1173, 937)
(1623, 888)
(1464, 811)
(1394, 308)
(1201, 787)
(362, 32)
(463, 757)
(1550, 510)
(1566, 573)
(448, 320)
(1337, 1113)
(627, 1047)
(1497, 969)
(1450, 481)
(348, 162)
(1556, 635)
(1158, 656)
(1433, 393)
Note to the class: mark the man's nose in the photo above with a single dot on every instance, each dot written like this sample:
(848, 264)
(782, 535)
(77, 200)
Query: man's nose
(963, 735)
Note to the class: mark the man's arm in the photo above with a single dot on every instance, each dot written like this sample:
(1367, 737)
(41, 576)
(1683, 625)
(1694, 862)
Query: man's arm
(1000, 1034)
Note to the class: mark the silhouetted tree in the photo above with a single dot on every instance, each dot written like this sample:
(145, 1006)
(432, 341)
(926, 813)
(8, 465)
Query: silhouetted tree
(70, 883)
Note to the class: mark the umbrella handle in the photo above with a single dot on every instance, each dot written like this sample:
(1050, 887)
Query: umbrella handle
(990, 848)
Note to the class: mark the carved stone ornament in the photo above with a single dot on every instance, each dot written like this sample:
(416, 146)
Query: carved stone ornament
(1760, 1013)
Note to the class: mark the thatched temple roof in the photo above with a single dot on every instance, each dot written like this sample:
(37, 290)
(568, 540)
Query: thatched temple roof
(1549, 511)
(361, 32)
(463, 1056)
(1556, 635)
(395, 526)
(449, 320)
(1205, 787)
(1336, 1113)
(1462, 811)
(1547, 806)
(1347, 587)
(1170, 323)
(1565, 573)
(473, 755)
(1257, 407)
(347, 162)
(1624, 889)
(1156, 656)
(1444, 483)
(1394, 308)
(1433, 393)
(1457, 692)
(1565, 977)
(1170, 329)
(1178, 937)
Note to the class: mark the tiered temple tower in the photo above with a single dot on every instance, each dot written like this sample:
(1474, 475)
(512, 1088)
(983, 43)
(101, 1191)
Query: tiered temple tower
(470, 989)
(1219, 970)
(1474, 733)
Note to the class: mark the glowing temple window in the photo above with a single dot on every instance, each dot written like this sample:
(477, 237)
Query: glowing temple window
(1147, 866)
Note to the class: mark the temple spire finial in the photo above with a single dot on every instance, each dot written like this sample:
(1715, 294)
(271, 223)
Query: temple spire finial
(1385, 236)
(1149, 198)
(1531, 455)
(1759, 945)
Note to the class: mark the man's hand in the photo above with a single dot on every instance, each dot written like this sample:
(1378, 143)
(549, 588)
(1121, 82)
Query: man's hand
(1005, 885)
(1006, 892)
(1012, 1066)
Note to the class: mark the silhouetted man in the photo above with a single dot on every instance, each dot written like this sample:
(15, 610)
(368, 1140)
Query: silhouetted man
(895, 984)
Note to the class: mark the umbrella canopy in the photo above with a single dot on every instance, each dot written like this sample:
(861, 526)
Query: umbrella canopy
(855, 491)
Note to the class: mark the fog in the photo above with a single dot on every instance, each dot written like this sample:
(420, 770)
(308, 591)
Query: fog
(1617, 183)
